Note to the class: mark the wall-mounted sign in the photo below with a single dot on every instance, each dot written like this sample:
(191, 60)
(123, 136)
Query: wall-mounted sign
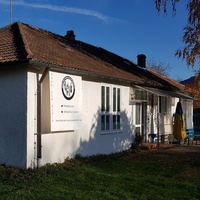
(65, 101)
(68, 87)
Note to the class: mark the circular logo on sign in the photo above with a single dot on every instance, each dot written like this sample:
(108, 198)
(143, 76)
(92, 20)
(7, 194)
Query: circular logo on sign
(68, 87)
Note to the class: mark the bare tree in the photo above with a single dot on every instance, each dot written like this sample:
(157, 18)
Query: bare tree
(191, 32)
(159, 67)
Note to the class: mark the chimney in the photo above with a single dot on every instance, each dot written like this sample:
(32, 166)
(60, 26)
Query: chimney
(70, 35)
(141, 60)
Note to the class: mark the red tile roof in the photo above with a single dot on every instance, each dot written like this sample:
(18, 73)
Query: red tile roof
(23, 43)
(172, 82)
(11, 45)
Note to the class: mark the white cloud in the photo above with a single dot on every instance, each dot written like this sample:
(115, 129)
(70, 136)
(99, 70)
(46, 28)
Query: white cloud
(59, 9)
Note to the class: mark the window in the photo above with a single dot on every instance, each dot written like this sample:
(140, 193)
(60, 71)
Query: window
(140, 95)
(105, 108)
(110, 108)
(116, 108)
(162, 104)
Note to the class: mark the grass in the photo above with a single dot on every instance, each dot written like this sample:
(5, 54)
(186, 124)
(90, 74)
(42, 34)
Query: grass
(128, 175)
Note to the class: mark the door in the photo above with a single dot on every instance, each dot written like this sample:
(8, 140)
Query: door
(164, 123)
(140, 119)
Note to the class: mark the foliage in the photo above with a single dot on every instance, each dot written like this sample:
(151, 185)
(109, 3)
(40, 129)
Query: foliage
(144, 175)
(191, 36)
(194, 86)
(196, 110)
(138, 139)
(163, 4)
(159, 67)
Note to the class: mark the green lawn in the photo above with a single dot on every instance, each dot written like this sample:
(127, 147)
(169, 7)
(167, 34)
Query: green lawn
(162, 174)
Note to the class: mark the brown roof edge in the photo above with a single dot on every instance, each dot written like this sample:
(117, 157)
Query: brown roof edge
(27, 49)
(171, 81)
(80, 72)
(11, 63)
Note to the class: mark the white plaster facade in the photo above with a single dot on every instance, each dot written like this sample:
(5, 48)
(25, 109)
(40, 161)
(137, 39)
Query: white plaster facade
(13, 116)
(88, 139)
(19, 120)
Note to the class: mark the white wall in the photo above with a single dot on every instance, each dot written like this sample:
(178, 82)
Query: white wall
(18, 123)
(56, 147)
(31, 121)
(93, 141)
(13, 116)
(87, 139)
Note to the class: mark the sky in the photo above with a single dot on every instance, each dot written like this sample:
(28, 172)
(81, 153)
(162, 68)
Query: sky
(124, 27)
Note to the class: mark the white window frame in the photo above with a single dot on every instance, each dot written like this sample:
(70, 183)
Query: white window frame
(110, 108)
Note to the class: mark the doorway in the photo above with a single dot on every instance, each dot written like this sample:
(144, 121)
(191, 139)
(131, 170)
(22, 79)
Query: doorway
(140, 119)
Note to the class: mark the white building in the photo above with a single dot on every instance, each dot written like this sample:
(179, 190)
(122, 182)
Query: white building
(61, 97)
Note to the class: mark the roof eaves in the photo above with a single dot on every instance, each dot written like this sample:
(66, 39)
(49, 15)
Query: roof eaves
(172, 82)
(14, 62)
(82, 72)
